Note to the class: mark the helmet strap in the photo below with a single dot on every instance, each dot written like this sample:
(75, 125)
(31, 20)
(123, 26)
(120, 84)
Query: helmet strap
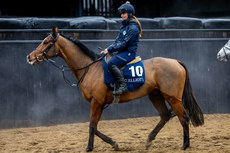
(130, 15)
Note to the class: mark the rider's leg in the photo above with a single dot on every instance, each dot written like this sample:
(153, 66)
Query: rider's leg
(113, 65)
(119, 78)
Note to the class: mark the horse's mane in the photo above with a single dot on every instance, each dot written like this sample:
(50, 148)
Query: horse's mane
(84, 49)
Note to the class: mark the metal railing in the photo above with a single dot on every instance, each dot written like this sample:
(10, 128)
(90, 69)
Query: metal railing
(97, 8)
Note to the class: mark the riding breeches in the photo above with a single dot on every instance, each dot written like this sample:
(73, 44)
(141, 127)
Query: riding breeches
(122, 58)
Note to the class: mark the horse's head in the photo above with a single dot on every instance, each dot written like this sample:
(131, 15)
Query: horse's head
(47, 49)
(224, 53)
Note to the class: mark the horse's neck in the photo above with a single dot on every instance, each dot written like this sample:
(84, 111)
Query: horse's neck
(73, 56)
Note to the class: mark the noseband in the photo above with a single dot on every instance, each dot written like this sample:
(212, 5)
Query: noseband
(47, 49)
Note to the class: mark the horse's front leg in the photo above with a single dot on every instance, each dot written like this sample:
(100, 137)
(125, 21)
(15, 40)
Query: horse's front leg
(91, 138)
(95, 115)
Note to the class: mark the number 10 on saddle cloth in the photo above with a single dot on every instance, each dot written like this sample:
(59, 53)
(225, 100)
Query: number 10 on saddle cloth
(133, 71)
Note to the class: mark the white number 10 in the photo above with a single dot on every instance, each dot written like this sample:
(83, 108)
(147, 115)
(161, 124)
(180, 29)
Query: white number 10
(139, 71)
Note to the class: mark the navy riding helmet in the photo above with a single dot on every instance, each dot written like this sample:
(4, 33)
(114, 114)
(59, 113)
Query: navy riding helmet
(126, 8)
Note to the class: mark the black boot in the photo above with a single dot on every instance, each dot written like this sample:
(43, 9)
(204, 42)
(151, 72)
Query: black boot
(119, 78)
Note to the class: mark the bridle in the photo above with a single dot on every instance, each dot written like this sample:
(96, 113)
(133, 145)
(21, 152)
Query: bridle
(47, 49)
(62, 67)
(226, 55)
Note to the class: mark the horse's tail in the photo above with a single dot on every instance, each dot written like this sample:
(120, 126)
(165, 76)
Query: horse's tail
(190, 103)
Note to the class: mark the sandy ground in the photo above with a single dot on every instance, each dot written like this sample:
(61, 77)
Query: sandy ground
(130, 134)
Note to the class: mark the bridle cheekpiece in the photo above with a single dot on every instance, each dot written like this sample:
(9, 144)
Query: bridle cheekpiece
(47, 49)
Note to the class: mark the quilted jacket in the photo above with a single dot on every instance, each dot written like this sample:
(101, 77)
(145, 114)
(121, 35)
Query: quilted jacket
(127, 39)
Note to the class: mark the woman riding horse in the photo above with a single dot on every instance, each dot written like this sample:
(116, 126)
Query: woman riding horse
(165, 80)
(125, 46)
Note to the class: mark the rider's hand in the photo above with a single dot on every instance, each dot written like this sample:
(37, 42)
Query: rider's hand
(104, 51)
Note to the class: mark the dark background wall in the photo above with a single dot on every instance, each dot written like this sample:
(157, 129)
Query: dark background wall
(191, 8)
(42, 8)
(33, 96)
(108, 8)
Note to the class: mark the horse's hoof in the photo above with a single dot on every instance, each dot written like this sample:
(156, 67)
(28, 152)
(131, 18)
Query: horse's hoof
(185, 146)
(115, 146)
(148, 145)
(88, 149)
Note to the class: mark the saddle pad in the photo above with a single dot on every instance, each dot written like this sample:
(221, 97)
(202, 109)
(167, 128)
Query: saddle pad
(134, 75)
(137, 59)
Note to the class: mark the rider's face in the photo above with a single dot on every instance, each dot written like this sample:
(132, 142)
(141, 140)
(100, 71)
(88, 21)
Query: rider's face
(124, 16)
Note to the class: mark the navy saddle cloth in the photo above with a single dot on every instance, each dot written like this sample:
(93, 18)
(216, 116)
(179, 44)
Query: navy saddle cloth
(134, 74)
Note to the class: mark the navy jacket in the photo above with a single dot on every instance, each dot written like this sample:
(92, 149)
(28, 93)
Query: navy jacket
(127, 39)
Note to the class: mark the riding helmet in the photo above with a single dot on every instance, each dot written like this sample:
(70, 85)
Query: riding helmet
(126, 8)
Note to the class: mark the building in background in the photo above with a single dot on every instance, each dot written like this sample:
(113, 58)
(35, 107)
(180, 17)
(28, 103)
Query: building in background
(108, 8)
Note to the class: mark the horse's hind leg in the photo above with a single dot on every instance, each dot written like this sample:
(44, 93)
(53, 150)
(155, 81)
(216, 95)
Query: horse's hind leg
(159, 103)
(178, 108)
(107, 140)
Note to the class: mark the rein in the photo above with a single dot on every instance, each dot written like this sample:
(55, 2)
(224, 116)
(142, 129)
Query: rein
(62, 67)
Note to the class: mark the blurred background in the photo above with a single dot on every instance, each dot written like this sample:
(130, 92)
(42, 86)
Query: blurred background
(108, 8)
(192, 31)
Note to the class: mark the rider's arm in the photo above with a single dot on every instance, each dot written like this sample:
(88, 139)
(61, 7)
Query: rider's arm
(132, 33)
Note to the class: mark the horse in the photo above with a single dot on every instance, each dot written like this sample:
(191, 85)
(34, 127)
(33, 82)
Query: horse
(165, 79)
(224, 54)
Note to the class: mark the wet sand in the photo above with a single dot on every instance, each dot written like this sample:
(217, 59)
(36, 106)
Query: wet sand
(130, 134)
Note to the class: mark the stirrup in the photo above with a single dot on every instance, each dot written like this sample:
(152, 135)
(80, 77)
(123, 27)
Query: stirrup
(116, 99)
(121, 90)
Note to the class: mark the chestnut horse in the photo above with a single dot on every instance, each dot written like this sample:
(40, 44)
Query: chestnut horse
(165, 79)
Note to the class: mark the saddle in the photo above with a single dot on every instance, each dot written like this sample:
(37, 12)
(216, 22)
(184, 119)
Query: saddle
(137, 59)
(133, 72)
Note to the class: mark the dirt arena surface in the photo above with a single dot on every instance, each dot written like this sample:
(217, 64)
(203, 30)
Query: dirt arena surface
(130, 134)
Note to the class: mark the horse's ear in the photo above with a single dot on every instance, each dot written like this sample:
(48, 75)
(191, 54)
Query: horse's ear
(55, 31)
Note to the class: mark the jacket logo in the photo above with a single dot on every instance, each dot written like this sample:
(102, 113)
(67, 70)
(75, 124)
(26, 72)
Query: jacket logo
(124, 32)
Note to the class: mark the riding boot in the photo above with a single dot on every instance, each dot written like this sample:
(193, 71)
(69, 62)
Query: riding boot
(119, 78)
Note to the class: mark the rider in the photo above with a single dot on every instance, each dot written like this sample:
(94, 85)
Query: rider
(125, 46)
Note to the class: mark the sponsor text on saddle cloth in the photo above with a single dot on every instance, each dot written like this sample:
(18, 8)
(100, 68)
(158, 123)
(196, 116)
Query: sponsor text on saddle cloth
(133, 71)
